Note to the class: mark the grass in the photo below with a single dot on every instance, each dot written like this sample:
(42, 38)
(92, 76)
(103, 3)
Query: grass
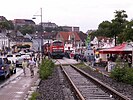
(81, 65)
(34, 96)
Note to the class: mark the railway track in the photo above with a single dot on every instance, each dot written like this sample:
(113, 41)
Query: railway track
(87, 87)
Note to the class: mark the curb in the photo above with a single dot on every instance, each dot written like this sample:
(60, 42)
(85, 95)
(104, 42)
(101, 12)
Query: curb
(32, 89)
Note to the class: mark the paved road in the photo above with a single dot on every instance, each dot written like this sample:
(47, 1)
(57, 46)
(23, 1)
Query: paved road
(18, 88)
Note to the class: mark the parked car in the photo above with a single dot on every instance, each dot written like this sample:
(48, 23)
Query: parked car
(11, 57)
(26, 56)
(19, 60)
(4, 67)
(16, 59)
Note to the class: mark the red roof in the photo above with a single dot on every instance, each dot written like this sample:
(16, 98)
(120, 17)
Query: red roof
(123, 48)
(65, 35)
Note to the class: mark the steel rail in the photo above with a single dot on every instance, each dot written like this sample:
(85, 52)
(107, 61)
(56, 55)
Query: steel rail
(80, 96)
(113, 91)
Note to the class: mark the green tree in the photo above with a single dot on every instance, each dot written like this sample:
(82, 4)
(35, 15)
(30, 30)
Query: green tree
(104, 29)
(27, 29)
(6, 25)
(128, 32)
(11, 25)
(118, 24)
(115, 28)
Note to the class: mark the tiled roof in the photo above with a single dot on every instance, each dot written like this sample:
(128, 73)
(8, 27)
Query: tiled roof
(65, 35)
(82, 36)
(21, 39)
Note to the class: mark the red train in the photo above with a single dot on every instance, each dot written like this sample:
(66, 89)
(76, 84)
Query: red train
(54, 49)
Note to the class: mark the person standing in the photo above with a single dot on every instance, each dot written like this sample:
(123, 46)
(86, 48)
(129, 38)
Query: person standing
(31, 66)
(129, 62)
(92, 59)
(24, 66)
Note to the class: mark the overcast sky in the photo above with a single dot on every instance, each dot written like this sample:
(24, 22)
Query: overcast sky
(86, 14)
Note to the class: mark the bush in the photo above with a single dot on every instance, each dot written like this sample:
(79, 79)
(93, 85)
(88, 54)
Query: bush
(46, 68)
(117, 73)
(128, 77)
(123, 74)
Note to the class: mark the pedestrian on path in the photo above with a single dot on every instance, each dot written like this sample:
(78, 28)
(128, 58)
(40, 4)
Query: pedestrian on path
(24, 66)
(31, 66)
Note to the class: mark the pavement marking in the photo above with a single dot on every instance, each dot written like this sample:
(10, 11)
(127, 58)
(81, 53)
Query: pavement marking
(19, 92)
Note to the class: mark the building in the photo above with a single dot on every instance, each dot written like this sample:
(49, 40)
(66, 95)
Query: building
(71, 38)
(70, 28)
(48, 25)
(39, 38)
(23, 22)
(4, 41)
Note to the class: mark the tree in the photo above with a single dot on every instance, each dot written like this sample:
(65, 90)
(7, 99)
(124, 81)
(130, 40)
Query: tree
(6, 25)
(128, 31)
(27, 29)
(104, 29)
(118, 24)
(115, 28)
(11, 25)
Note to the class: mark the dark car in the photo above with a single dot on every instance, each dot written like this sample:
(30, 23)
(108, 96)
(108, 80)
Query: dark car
(4, 67)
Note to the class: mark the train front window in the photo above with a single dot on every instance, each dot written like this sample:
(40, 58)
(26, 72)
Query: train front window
(57, 44)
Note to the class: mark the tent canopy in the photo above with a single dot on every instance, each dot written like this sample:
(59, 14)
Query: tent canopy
(120, 49)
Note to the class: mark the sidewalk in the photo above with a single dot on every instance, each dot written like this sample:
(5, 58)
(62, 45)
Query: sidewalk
(19, 87)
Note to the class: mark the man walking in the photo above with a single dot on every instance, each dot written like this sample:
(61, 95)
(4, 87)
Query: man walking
(24, 66)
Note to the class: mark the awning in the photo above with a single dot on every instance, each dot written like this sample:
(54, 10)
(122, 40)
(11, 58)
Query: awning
(120, 49)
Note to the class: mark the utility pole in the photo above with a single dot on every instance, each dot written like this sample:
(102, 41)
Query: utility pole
(41, 30)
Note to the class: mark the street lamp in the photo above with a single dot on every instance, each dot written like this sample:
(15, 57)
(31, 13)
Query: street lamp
(41, 28)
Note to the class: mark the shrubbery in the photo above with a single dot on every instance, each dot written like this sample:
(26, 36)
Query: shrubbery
(123, 74)
(46, 68)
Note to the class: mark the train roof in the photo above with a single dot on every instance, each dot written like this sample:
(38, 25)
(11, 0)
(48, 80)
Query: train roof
(57, 41)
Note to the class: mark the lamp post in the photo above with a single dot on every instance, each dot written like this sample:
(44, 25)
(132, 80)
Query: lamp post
(41, 28)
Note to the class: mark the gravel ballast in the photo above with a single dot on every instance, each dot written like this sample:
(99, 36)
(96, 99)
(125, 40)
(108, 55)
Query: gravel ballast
(57, 88)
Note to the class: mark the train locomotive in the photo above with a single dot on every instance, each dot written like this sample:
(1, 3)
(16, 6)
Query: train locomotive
(54, 49)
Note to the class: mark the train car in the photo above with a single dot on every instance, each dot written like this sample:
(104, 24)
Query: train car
(56, 49)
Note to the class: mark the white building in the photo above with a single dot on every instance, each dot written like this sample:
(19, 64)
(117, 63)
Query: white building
(4, 41)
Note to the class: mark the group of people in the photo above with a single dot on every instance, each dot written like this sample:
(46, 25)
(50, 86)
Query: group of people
(31, 64)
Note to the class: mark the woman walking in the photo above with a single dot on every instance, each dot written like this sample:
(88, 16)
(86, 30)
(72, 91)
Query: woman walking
(31, 66)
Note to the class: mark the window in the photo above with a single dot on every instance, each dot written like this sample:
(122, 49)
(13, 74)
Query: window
(57, 43)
